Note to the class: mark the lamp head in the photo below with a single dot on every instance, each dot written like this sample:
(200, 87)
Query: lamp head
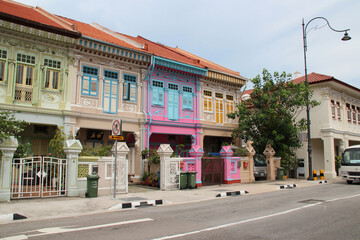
(346, 37)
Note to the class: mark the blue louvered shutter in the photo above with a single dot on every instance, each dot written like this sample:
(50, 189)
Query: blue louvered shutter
(173, 105)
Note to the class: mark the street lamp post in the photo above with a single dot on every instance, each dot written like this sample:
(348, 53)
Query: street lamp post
(345, 38)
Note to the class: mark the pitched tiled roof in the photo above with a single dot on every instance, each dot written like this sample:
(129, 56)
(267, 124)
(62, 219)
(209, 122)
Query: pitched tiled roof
(314, 78)
(250, 91)
(90, 31)
(34, 17)
(163, 51)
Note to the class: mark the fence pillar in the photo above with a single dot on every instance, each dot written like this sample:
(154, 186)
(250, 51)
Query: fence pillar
(250, 154)
(122, 166)
(8, 148)
(72, 149)
(196, 152)
(271, 167)
(164, 152)
(226, 152)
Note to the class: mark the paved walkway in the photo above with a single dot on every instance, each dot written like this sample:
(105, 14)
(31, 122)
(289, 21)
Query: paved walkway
(35, 209)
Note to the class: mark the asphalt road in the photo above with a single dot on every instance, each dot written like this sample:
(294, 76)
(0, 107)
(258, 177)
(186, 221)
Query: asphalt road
(330, 211)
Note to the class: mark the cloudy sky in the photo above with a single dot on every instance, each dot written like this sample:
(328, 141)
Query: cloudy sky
(245, 36)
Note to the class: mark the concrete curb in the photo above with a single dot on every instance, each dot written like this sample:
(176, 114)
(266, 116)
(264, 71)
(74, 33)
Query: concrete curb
(235, 193)
(11, 217)
(290, 186)
(147, 203)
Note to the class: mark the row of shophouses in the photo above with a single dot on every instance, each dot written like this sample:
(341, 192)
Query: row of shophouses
(79, 77)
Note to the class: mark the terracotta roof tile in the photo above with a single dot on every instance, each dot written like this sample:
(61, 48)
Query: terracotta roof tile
(163, 51)
(93, 32)
(313, 78)
(26, 12)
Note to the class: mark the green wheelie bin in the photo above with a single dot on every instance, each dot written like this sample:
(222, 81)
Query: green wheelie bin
(92, 185)
(191, 180)
(183, 180)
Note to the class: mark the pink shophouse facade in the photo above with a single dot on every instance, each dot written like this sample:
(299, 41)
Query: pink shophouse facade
(172, 104)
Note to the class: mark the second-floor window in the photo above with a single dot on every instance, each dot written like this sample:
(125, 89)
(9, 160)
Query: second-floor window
(89, 84)
(129, 89)
(24, 77)
(207, 101)
(157, 93)
(187, 102)
(333, 109)
(52, 74)
(338, 110)
(348, 112)
(3, 57)
(219, 107)
(110, 92)
(229, 104)
(358, 114)
(353, 113)
(173, 101)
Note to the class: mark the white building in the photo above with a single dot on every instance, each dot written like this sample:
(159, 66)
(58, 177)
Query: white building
(335, 123)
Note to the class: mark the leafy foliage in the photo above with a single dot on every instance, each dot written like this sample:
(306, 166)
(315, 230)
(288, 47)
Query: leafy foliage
(56, 144)
(9, 126)
(271, 115)
(22, 150)
(101, 151)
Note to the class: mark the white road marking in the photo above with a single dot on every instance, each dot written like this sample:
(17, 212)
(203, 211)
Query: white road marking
(250, 220)
(54, 230)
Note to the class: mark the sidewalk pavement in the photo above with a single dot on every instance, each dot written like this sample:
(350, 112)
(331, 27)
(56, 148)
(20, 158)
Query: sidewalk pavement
(47, 208)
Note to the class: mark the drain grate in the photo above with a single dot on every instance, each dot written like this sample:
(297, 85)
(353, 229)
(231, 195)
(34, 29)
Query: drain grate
(312, 201)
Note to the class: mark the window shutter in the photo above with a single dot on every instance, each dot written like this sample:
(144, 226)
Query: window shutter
(126, 91)
(173, 105)
(132, 92)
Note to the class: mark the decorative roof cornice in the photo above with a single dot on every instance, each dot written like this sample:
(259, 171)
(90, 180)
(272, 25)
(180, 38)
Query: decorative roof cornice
(179, 66)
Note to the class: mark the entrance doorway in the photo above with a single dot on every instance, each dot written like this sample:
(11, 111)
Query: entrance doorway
(212, 171)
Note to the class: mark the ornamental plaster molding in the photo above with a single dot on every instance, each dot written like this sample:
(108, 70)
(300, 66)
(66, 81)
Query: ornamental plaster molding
(89, 102)
(50, 98)
(208, 117)
(41, 48)
(13, 42)
(130, 107)
(21, 29)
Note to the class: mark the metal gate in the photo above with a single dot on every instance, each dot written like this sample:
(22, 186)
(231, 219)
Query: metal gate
(37, 177)
(212, 171)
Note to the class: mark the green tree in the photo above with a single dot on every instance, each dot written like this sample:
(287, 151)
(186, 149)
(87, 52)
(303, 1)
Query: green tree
(9, 126)
(271, 115)
(56, 144)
